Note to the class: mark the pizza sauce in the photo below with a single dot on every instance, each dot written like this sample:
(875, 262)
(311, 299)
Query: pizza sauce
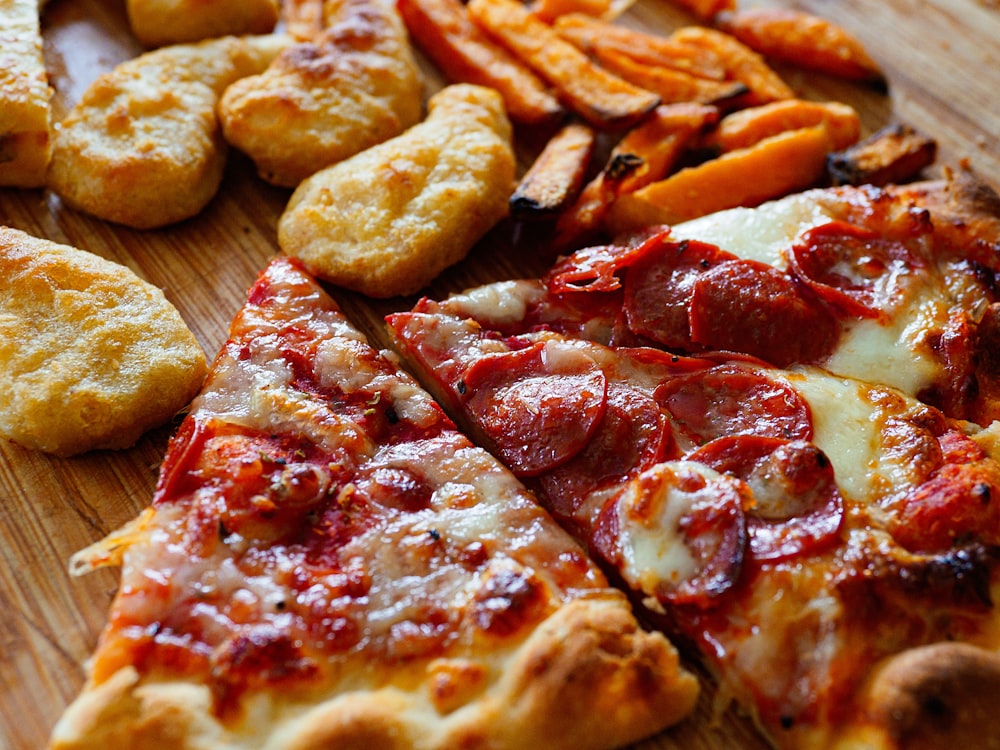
(316, 506)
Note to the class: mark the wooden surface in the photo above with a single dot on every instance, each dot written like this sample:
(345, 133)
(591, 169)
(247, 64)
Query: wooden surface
(943, 61)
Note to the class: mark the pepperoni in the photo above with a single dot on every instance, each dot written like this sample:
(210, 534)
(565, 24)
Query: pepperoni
(853, 268)
(659, 285)
(539, 407)
(593, 269)
(394, 487)
(178, 473)
(797, 509)
(956, 391)
(748, 306)
(957, 448)
(633, 436)
(678, 532)
(958, 505)
(730, 400)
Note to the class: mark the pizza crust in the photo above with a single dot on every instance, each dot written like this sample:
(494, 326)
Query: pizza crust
(586, 678)
(942, 695)
(961, 203)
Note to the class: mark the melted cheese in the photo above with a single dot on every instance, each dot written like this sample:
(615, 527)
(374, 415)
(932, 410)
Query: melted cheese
(849, 430)
(758, 233)
(496, 304)
(896, 354)
(651, 543)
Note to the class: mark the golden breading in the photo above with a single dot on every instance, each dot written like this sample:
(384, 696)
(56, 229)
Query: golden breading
(91, 356)
(321, 101)
(157, 23)
(388, 220)
(143, 147)
(25, 96)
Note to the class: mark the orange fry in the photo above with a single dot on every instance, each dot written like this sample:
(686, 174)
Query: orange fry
(705, 10)
(644, 155)
(805, 40)
(671, 85)
(550, 10)
(769, 169)
(599, 97)
(556, 176)
(593, 35)
(896, 153)
(660, 142)
(443, 30)
(741, 63)
(748, 126)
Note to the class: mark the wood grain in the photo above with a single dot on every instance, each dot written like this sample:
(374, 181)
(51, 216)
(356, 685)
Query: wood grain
(942, 58)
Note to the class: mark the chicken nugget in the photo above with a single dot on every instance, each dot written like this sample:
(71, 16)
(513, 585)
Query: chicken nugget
(356, 84)
(387, 221)
(143, 147)
(25, 97)
(91, 356)
(157, 23)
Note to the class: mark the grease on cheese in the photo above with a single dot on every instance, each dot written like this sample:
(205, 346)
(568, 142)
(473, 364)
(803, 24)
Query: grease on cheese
(651, 543)
(848, 428)
(896, 353)
(496, 304)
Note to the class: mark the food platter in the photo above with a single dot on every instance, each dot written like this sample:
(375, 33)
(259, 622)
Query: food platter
(942, 59)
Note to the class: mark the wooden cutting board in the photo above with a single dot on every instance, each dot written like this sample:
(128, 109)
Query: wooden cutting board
(942, 58)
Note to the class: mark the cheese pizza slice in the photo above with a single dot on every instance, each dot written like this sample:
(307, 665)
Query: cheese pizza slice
(829, 546)
(327, 563)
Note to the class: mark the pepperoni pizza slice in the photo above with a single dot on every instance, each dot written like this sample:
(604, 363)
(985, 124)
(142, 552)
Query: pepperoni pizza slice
(327, 562)
(828, 547)
(898, 286)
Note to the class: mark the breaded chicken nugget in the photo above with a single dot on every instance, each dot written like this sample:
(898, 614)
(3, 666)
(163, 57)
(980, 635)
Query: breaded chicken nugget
(25, 95)
(356, 84)
(387, 221)
(156, 23)
(91, 356)
(143, 147)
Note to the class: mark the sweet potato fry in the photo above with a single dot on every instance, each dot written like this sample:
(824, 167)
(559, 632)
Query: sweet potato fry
(805, 40)
(604, 100)
(592, 35)
(894, 154)
(748, 126)
(556, 176)
(645, 154)
(671, 85)
(443, 31)
(771, 168)
(659, 143)
(741, 63)
(550, 10)
(705, 10)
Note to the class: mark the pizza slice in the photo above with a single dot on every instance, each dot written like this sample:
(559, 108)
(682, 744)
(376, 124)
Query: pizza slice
(327, 562)
(829, 547)
(898, 286)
